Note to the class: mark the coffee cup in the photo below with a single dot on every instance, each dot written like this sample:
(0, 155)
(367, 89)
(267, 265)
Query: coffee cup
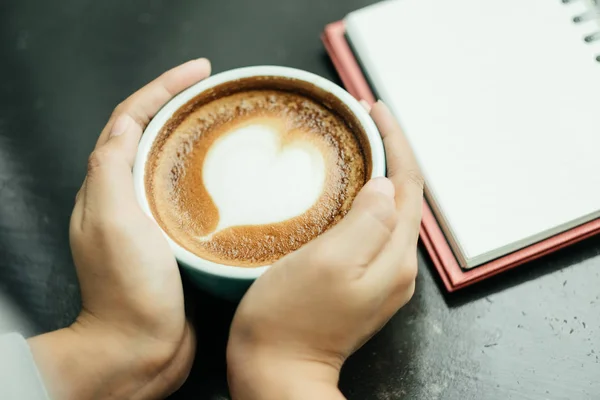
(226, 224)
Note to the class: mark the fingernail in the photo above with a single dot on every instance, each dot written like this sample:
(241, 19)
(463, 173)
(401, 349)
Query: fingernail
(205, 62)
(120, 126)
(365, 105)
(382, 104)
(381, 185)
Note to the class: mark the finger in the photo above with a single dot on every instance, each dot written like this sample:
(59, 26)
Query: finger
(365, 104)
(395, 266)
(365, 230)
(402, 168)
(146, 102)
(109, 188)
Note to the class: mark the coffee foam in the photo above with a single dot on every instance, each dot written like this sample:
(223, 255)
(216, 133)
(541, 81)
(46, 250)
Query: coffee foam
(255, 178)
(245, 178)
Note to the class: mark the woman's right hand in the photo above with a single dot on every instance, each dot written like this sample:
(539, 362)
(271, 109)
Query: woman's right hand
(305, 316)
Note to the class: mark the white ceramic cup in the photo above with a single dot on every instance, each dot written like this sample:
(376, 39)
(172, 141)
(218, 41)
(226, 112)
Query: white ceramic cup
(223, 280)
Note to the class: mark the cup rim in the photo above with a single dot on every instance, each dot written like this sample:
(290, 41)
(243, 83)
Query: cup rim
(185, 256)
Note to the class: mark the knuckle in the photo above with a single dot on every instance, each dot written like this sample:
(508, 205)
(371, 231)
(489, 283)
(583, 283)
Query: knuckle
(377, 202)
(99, 158)
(403, 291)
(377, 211)
(394, 165)
(382, 209)
(78, 195)
(411, 267)
(412, 272)
(94, 162)
(409, 292)
(381, 205)
(407, 273)
(112, 225)
(415, 219)
(326, 262)
(74, 228)
(118, 110)
(415, 177)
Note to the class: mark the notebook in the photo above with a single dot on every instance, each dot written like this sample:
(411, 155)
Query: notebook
(498, 101)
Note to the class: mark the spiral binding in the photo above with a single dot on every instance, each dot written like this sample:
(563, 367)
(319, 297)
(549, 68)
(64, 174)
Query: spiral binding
(590, 15)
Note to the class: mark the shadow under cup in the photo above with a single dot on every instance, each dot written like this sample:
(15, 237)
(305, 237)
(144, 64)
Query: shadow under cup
(226, 281)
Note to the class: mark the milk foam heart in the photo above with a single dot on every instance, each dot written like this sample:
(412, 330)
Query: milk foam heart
(255, 179)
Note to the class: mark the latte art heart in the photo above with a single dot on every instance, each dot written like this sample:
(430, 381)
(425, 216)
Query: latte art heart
(255, 178)
(248, 172)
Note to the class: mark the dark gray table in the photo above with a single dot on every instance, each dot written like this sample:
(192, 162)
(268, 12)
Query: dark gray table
(529, 334)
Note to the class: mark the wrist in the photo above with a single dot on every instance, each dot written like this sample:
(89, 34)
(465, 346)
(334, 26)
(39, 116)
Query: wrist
(267, 373)
(127, 348)
(91, 360)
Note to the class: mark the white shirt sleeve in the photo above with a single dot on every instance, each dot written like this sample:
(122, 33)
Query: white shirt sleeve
(19, 376)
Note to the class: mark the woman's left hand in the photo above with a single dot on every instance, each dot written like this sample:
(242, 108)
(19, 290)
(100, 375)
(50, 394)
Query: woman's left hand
(131, 339)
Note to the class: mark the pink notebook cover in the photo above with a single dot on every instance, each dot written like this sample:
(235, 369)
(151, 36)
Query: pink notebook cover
(453, 276)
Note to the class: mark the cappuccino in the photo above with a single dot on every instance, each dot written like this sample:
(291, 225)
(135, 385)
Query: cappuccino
(253, 169)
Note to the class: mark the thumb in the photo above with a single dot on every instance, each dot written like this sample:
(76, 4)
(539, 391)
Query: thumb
(109, 183)
(367, 227)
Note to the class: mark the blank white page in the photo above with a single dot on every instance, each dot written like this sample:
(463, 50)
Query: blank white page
(500, 102)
